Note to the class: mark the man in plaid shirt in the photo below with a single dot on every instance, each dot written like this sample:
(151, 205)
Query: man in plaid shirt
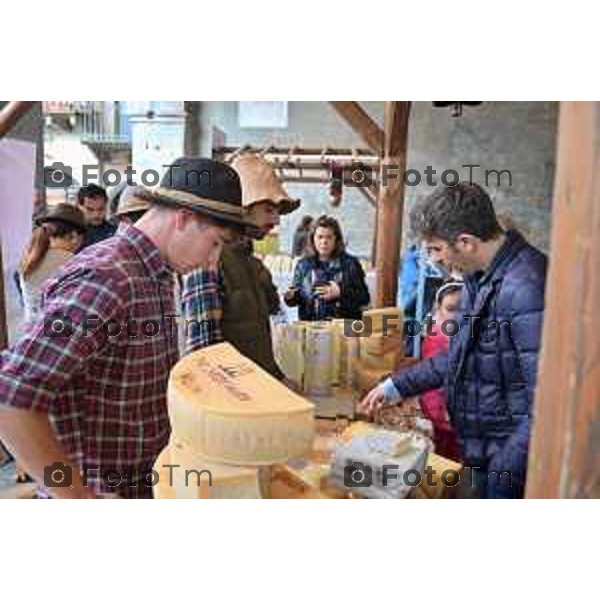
(83, 392)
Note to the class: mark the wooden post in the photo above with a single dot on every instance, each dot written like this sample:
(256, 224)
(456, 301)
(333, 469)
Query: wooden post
(390, 204)
(564, 457)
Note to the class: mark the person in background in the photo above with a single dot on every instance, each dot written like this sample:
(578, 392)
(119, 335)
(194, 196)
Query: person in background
(133, 204)
(433, 403)
(93, 202)
(490, 370)
(234, 300)
(56, 238)
(329, 283)
(300, 242)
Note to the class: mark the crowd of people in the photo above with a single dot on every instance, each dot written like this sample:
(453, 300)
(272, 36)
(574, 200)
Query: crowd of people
(73, 394)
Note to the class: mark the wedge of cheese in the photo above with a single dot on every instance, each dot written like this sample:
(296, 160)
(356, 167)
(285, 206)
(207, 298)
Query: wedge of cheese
(228, 410)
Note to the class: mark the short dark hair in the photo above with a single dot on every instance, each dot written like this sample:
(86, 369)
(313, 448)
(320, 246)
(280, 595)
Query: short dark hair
(91, 191)
(332, 224)
(454, 210)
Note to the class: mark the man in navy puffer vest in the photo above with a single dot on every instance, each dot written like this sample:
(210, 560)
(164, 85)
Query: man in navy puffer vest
(489, 373)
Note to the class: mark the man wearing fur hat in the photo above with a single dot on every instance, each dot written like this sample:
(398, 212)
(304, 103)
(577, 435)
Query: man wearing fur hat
(233, 301)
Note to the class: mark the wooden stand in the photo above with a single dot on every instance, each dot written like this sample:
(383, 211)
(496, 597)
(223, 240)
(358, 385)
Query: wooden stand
(564, 457)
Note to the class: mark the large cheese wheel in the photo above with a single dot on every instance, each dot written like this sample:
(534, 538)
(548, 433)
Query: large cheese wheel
(187, 476)
(229, 410)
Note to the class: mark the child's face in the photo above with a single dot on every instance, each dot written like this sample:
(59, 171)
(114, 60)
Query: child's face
(449, 306)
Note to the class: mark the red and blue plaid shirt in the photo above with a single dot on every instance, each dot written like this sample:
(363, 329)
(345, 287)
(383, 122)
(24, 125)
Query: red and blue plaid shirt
(104, 391)
(202, 307)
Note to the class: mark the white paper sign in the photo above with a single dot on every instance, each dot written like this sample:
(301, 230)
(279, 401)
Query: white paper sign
(17, 172)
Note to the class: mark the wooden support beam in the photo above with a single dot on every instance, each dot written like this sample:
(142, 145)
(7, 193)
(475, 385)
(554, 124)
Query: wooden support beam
(564, 457)
(11, 114)
(390, 204)
(362, 123)
(369, 194)
(326, 153)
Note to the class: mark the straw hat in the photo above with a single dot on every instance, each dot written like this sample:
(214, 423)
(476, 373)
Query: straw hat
(207, 187)
(260, 182)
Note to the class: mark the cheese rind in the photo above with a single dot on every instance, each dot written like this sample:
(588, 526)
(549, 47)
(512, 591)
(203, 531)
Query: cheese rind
(228, 410)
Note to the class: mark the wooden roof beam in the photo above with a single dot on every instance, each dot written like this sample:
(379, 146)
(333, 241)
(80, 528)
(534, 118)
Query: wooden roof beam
(362, 123)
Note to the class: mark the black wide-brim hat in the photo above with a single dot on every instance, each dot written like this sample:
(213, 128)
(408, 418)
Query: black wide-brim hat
(207, 187)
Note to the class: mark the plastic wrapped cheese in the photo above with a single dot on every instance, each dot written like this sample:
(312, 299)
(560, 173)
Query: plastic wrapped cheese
(377, 463)
(290, 351)
(228, 410)
(320, 359)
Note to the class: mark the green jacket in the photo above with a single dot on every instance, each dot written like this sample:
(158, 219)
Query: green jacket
(249, 299)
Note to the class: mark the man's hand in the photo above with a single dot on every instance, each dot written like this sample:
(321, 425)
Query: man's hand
(373, 401)
(331, 291)
(290, 294)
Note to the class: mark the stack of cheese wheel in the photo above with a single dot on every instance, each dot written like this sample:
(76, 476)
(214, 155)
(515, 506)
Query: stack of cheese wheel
(319, 358)
(317, 355)
(290, 351)
(381, 348)
(229, 418)
(186, 475)
(346, 351)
